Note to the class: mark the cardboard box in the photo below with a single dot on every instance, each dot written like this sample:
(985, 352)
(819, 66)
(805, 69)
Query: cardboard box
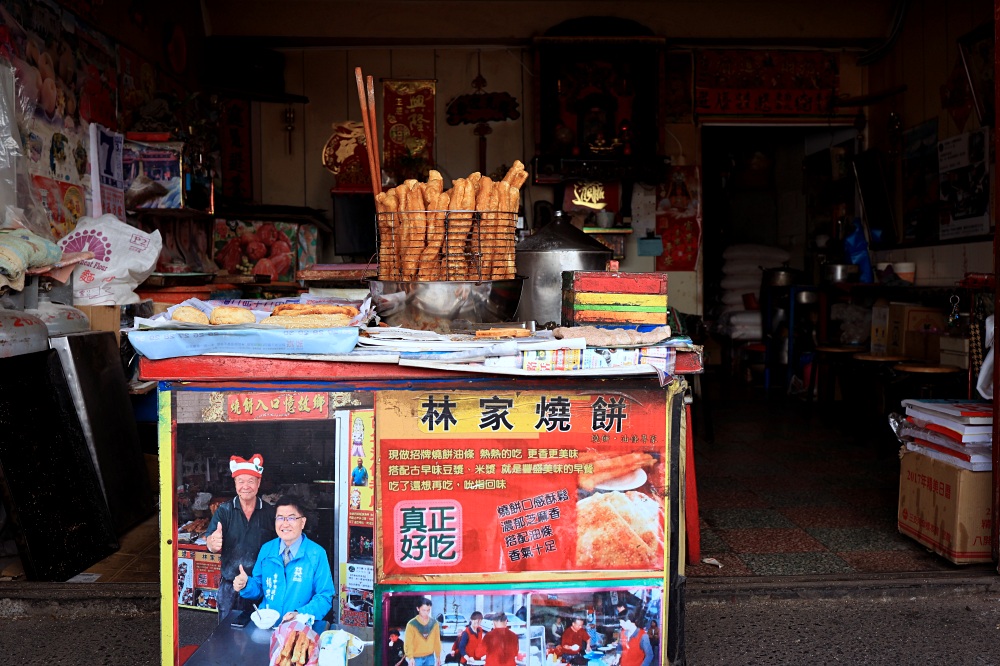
(907, 317)
(922, 346)
(104, 318)
(880, 329)
(954, 351)
(945, 508)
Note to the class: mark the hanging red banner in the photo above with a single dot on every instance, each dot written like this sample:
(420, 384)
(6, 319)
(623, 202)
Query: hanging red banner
(769, 83)
(236, 150)
(678, 219)
(257, 406)
(408, 127)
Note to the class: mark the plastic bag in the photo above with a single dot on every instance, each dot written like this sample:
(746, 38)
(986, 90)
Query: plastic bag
(290, 631)
(856, 249)
(123, 257)
(984, 384)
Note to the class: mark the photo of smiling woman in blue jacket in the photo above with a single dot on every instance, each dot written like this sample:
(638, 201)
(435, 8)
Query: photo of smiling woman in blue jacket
(292, 573)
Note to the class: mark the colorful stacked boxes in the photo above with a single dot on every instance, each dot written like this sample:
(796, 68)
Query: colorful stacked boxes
(614, 298)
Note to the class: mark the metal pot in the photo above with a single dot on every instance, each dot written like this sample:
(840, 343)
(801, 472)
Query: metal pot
(441, 306)
(780, 277)
(833, 273)
(542, 257)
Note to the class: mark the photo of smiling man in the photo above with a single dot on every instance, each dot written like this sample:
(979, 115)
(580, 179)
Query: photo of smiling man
(292, 573)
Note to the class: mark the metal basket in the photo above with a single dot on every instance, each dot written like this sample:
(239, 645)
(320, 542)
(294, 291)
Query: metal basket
(446, 245)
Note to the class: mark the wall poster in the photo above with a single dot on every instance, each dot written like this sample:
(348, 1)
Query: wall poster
(357, 523)
(678, 219)
(408, 122)
(62, 69)
(964, 165)
(520, 482)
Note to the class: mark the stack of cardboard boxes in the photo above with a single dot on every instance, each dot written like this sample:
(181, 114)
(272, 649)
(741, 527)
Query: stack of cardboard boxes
(906, 329)
(945, 480)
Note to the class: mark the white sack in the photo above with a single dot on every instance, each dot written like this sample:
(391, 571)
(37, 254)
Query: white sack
(123, 257)
(984, 384)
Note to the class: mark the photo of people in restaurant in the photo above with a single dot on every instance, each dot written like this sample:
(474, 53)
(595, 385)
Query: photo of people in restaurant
(498, 626)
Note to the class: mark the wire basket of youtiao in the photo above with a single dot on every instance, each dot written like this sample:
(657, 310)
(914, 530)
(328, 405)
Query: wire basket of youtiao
(446, 245)
(427, 233)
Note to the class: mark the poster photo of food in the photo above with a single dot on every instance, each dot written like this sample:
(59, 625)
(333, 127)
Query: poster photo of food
(256, 248)
(521, 481)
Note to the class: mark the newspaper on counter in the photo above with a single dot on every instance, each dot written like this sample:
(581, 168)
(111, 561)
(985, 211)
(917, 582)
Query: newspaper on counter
(161, 343)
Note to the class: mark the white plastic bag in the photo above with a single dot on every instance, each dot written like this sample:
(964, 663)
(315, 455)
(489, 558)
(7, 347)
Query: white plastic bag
(984, 383)
(123, 257)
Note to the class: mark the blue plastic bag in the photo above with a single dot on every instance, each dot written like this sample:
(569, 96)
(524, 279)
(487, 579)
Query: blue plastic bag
(856, 249)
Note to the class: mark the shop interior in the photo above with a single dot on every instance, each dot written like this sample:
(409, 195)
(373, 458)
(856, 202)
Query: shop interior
(797, 472)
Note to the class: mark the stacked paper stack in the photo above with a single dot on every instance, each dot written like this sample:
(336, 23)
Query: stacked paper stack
(612, 298)
(957, 432)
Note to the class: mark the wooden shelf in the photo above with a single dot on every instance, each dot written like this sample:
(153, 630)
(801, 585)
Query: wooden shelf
(608, 230)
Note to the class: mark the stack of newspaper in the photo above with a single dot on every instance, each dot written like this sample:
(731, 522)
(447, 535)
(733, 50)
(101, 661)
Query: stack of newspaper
(958, 432)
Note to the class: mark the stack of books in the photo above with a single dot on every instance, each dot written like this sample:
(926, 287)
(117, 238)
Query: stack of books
(957, 432)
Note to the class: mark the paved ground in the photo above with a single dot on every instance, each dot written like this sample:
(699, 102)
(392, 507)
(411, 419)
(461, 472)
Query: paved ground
(949, 619)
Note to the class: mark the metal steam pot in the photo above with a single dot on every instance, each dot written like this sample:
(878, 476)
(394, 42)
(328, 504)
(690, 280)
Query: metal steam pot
(543, 256)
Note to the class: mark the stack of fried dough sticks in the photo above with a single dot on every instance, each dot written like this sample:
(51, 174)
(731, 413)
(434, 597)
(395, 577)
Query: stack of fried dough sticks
(464, 233)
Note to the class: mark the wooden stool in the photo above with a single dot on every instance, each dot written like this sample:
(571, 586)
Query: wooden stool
(874, 374)
(830, 363)
(930, 381)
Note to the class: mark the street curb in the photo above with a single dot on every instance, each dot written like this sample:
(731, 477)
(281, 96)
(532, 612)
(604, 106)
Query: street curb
(837, 586)
(28, 599)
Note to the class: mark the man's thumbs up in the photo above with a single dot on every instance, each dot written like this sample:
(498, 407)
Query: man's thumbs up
(241, 580)
(214, 540)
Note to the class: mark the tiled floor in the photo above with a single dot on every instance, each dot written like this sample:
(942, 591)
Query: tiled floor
(785, 490)
(136, 561)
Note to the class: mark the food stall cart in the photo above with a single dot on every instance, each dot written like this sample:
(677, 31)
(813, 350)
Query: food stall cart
(537, 497)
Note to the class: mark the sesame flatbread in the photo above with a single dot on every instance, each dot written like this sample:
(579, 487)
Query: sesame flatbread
(606, 540)
(309, 321)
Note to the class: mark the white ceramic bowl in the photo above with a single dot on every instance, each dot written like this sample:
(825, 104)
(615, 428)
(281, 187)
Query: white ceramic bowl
(264, 618)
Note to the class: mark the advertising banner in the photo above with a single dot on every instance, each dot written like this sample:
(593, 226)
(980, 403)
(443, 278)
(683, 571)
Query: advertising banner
(357, 537)
(582, 621)
(521, 481)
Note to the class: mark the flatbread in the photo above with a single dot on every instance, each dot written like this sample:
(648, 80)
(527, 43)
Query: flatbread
(299, 309)
(309, 321)
(606, 540)
(231, 314)
(189, 314)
